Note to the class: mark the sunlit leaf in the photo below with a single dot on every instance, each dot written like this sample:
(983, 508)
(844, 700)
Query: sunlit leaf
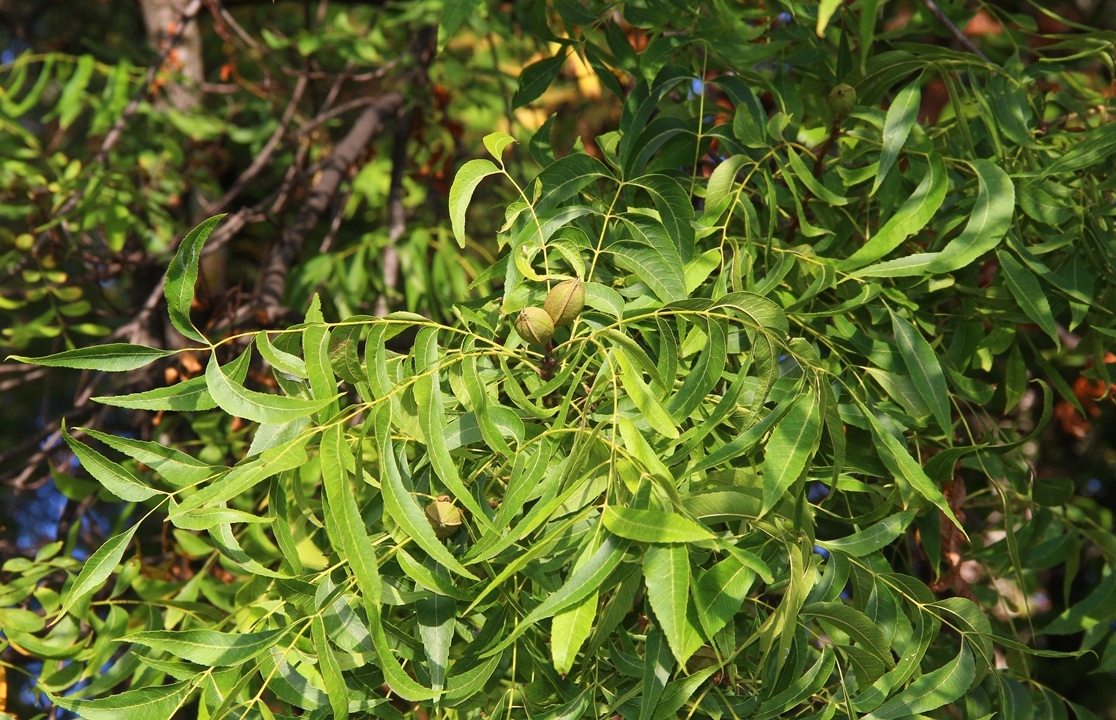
(208, 647)
(461, 192)
(182, 275)
(239, 401)
(113, 357)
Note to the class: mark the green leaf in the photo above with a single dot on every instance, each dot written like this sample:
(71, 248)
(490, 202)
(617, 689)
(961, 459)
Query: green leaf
(315, 344)
(932, 690)
(825, 12)
(989, 222)
(651, 254)
(97, 569)
(674, 206)
(175, 466)
(704, 375)
(461, 192)
(139, 704)
(750, 117)
(569, 630)
(653, 526)
(208, 647)
(912, 216)
(969, 621)
(1090, 152)
(399, 681)
(924, 369)
(354, 546)
(742, 443)
(114, 357)
(917, 264)
(801, 689)
(536, 78)
(805, 176)
(853, 623)
(454, 12)
(791, 445)
(644, 398)
(1097, 607)
(210, 517)
(278, 359)
(897, 126)
(182, 275)
(657, 664)
(112, 476)
(677, 692)
(903, 466)
(436, 616)
(401, 505)
(723, 179)
(874, 537)
(334, 681)
(433, 421)
(245, 476)
(238, 401)
(1024, 286)
(666, 571)
(496, 142)
(582, 583)
(183, 396)
(720, 591)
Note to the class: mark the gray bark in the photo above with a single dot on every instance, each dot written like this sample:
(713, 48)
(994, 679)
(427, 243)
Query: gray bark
(160, 18)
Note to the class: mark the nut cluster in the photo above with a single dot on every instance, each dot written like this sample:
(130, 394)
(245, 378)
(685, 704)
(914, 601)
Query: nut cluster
(564, 303)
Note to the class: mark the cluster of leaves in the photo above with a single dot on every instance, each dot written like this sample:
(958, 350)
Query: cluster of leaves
(46, 293)
(780, 466)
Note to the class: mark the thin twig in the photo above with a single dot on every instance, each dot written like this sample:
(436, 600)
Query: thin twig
(273, 279)
(341, 109)
(264, 157)
(954, 30)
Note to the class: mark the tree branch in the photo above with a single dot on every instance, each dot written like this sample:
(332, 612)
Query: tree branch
(273, 279)
(954, 30)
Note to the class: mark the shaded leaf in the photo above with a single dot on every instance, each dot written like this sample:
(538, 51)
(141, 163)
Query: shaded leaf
(897, 126)
(1024, 286)
(791, 445)
(536, 78)
(932, 690)
(925, 371)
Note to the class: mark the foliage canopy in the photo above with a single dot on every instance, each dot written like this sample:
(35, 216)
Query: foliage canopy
(781, 465)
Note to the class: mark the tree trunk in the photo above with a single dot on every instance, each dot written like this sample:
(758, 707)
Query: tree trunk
(161, 17)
